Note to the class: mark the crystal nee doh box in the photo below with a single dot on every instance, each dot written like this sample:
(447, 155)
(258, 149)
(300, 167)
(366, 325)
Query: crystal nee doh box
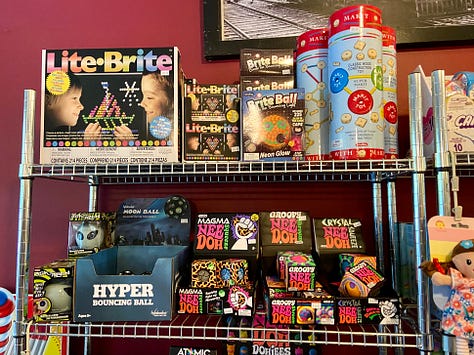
(96, 106)
(332, 237)
(211, 122)
(272, 125)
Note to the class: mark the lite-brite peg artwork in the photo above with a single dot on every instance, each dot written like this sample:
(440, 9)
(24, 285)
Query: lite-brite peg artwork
(109, 113)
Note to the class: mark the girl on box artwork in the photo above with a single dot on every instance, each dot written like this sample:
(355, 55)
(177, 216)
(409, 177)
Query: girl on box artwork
(158, 103)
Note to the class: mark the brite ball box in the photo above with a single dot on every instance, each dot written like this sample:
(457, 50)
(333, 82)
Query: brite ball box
(128, 283)
(97, 106)
(273, 125)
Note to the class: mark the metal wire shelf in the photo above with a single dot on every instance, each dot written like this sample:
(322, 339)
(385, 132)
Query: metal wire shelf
(285, 171)
(213, 328)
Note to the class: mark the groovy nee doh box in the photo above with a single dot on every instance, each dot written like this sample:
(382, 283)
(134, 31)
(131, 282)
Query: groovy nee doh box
(110, 106)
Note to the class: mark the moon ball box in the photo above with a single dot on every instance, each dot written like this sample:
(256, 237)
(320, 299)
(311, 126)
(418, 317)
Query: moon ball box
(148, 221)
(97, 106)
(273, 125)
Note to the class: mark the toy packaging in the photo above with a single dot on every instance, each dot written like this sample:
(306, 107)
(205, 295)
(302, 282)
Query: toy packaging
(129, 283)
(211, 122)
(265, 338)
(263, 62)
(381, 310)
(255, 83)
(283, 231)
(227, 234)
(333, 236)
(361, 280)
(272, 125)
(53, 291)
(236, 300)
(148, 221)
(97, 106)
(90, 232)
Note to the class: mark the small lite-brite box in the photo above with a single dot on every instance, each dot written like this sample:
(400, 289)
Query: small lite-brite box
(97, 106)
(262, 62)
(273, 125)
(90, 232)
(53, 291)
(211, 122)
(228, 234)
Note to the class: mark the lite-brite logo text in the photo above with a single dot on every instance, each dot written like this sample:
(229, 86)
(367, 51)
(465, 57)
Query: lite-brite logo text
(339, 233)
(286, 228)
(113, 61)
(212, 234)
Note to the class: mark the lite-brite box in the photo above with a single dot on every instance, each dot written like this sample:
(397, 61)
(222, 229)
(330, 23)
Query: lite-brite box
(128, 283)
(149, 221)
(272, 125)
(236, 300)
(283, 231)
(333, 236)
(262, 62)
(52, 291)
(90, 232)
(211, 122)
(267, 338)
(252, 83)
(98, 106)
(227, 234)
(380, 310)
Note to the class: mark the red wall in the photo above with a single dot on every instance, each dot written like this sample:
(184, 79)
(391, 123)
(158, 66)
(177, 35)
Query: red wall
(29, 26)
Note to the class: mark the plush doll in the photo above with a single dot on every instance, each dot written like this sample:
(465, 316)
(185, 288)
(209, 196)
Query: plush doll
(458, 313)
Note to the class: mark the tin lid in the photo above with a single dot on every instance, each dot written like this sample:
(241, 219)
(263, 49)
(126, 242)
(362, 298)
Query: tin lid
(363, 16)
